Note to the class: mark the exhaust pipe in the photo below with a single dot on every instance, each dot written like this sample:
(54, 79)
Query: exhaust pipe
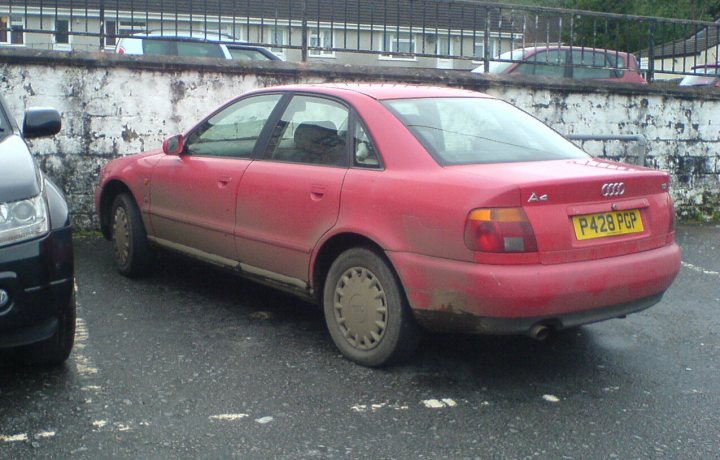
(540, 332)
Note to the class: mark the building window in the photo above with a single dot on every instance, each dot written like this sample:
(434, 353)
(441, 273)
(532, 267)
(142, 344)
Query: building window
(479, 50)
(110, 33)
(62, 31)
(402, 42)
(277, 38)
(12, 30)
(443, 46)
(318, 39)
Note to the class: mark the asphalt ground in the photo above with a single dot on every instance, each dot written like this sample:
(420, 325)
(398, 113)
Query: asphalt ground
(194, 363)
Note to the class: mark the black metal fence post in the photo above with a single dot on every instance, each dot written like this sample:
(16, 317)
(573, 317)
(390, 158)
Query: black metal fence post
(651, 51)
(486, 42)
(304, 31)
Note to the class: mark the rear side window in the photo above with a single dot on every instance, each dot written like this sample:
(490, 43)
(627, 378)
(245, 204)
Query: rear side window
(544, 63)
(312, 130)
(480, 130)
(180, 48)
(592, 64)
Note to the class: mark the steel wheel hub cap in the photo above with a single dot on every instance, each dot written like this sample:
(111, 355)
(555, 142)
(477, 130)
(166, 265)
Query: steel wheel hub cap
(360, 308)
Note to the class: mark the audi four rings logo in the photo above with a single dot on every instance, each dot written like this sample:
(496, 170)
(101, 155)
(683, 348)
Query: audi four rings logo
(613, 189)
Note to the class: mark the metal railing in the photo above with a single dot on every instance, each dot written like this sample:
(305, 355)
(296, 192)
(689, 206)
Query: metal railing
(458, 34)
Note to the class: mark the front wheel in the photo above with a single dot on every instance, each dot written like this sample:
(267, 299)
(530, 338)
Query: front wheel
(366, 311)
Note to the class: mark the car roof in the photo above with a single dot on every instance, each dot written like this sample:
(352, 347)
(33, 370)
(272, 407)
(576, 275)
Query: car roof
(574, 48)
(382, 91)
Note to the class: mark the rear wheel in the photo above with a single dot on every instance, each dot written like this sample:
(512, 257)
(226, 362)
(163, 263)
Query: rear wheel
(55, 349)
(366, 311)
(131, 251)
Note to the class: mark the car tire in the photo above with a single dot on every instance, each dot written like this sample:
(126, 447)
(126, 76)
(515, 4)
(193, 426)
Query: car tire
(131, 251)
(56, 349)
(366, 311)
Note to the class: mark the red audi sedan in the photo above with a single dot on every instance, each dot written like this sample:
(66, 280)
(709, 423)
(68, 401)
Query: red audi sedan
(399, 208)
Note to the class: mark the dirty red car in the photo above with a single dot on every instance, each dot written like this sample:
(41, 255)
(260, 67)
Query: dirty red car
(398, 209)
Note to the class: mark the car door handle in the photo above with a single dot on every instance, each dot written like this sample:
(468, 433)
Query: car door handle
(224, 180)
(317, 192)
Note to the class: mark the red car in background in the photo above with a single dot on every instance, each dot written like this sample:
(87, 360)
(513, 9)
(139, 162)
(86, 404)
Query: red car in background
(573, 62)
(399, 207)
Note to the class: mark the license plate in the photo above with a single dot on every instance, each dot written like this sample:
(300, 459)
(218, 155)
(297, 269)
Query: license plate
(606, 224)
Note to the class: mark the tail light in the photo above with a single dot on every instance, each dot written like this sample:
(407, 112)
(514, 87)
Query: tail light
(120, 50)
(499, 230)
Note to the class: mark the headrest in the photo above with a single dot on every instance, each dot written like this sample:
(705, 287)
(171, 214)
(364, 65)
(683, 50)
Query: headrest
(314, 132)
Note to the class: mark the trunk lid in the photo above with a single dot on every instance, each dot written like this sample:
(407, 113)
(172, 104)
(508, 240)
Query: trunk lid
(589, 209)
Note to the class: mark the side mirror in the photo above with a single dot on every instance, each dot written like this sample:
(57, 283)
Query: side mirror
(41, 122)
(174, 145)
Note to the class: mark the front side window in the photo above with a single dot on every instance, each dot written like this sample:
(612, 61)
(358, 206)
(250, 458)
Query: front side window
(312, 130)
(480, 130)
(234, 131)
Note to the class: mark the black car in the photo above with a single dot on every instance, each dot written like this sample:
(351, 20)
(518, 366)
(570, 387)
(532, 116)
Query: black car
(37, 284)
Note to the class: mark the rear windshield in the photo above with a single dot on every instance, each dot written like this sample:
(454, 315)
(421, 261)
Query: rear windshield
(478, 130)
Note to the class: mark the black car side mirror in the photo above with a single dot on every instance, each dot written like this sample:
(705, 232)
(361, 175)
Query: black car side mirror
(41, 122)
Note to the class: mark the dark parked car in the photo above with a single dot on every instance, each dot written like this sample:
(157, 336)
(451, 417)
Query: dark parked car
(394, 205)
(575, 62)
(705, 75)
(37, 285)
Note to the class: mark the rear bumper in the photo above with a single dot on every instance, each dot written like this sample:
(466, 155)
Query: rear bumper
(449, 295)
